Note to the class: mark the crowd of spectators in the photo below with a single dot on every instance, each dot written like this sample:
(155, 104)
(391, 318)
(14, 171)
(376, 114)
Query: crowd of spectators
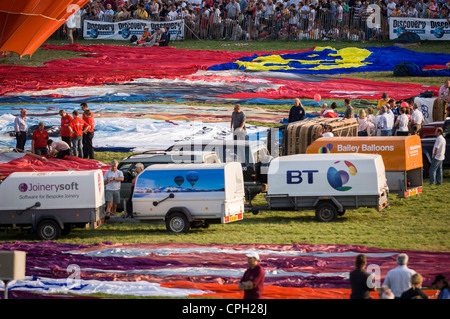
(272, 19)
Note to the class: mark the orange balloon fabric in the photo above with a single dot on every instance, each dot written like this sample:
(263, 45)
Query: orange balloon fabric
(26, 24)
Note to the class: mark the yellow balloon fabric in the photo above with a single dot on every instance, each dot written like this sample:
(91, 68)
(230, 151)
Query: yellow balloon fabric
(343, 58)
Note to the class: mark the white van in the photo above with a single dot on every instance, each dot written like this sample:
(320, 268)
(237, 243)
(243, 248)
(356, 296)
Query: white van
(190, 195)
(52, 202)
(328, 183)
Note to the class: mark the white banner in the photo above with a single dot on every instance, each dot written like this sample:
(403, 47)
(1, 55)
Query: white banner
(124, 30)
(426, 107)
(426, 29)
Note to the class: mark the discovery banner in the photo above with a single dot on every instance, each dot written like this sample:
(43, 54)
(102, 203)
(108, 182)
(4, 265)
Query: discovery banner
(124, 30)
(426, 29)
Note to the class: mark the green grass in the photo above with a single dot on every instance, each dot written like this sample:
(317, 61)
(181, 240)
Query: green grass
(415, 223)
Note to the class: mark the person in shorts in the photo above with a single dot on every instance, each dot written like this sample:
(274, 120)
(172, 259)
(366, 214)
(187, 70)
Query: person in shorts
(113, 178)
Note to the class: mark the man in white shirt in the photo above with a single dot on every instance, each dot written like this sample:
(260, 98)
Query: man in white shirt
(399, 279)
(112, 180)
(416, 120)
(21, 128)
(391, 5)
(438, 157)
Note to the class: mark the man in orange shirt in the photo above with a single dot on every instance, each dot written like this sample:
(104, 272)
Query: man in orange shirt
(65, 133)
(39, 140)
(88, 117)
(77, 128)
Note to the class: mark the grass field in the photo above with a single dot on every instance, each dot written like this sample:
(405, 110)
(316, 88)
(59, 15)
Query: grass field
(416, 223)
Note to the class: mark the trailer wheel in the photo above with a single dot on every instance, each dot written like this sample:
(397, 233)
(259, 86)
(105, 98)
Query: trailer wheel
(326, 212)
(177, 223)
(48, 230)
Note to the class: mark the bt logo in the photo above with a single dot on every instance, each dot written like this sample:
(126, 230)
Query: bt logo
(295, 177)
(338, 178)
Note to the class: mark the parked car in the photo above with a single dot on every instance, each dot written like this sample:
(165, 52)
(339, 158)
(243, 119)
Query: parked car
(427, 151)
(128, 165)
(429, 129)
(253, 156)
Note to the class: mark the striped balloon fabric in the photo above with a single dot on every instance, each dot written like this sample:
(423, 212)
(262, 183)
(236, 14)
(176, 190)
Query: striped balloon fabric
(294, 271)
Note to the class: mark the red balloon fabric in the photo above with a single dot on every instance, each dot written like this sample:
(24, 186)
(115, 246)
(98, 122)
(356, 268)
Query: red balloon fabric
(103, 64)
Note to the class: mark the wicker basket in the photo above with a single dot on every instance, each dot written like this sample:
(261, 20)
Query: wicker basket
(299, 135)
(439, 110)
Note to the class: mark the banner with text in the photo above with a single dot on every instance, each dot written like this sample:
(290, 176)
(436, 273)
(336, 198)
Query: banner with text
(426, 29)
(124, 30)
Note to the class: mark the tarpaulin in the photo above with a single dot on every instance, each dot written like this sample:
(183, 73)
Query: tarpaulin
(328, 60)
(292, 270)
(22, 162)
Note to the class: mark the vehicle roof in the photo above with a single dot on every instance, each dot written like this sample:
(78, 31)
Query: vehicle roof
(219, 143)
(165, 156)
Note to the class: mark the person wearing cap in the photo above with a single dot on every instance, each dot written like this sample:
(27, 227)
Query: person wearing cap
(399, 278)
(252, 282)
(442, 284)
(384, 100)
(146, 35)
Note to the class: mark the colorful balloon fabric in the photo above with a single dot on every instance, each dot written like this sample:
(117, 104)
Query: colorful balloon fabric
(328, 60)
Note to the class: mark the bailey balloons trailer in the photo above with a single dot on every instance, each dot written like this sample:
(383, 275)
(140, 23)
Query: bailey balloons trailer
(327, 183)
(190, 195)
(52, 203)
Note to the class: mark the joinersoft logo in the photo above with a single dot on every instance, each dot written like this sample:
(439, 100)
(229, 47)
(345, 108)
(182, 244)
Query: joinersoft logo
(23, 187)
(338, 175)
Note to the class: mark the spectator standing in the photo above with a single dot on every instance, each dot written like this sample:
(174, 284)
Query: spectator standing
(442, 284)
(364, 126)
(233, 10)
(65, 133)
(437, 158)
(415, 292)
(21, 129)
(297, 112)
(78, 127)
(383, 122)
(444, 94)
(113, 177)
(108, 15)
(360, 279)
(71, 27)
(238, 123)
(416, 120)
(384, 100)
(399, 278)
(252, 282)
(402, 123)
(88, 117)
(349, 113)
(39, 140)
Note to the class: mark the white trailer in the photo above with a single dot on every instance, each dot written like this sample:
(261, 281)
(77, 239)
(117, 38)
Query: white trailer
(52, 202)
(327, 183)
(190, 195)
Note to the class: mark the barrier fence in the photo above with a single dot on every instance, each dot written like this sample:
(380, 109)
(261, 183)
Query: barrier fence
(354, 25)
